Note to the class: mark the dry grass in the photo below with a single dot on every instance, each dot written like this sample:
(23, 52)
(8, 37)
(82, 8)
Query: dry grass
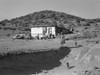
(7, 44)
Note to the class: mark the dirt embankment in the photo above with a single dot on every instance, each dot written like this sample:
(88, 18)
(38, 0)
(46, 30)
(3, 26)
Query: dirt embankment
(30, 63)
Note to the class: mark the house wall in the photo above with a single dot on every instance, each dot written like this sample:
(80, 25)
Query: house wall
(53, 31)
(36, 31)
(42, 31)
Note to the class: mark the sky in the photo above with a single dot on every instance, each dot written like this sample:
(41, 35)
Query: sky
(83, 8)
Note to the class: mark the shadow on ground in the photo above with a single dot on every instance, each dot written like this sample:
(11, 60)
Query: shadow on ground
(26, 64)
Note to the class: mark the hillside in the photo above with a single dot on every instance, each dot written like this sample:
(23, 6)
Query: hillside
(47, 17)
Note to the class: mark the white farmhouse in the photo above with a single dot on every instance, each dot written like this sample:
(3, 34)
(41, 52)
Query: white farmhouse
(42, 30)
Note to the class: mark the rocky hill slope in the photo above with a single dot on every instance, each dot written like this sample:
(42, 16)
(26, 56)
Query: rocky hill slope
(48, 17)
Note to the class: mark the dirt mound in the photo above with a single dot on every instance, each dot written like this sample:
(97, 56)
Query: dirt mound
(87, 64)
(80, 61)
(74, 56)
(92, 58)
(91, 71)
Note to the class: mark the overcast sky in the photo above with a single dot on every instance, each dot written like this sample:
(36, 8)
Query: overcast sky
(82, 8)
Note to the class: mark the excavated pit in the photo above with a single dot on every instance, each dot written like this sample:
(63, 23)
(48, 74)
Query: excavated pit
(32, 63)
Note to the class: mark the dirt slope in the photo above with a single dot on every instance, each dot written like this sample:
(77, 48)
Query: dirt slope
(82, 61)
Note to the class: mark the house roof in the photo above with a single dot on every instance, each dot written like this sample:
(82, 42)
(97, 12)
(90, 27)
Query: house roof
(41, 26)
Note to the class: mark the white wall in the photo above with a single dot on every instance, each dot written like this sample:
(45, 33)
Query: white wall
(35, 31)
(53, 30)
(39, 30)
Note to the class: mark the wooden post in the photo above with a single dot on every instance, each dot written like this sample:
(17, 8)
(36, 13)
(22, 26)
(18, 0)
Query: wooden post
(62, 40)
(75, 43)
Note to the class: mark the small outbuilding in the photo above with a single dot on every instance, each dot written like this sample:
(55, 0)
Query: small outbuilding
(43, 31)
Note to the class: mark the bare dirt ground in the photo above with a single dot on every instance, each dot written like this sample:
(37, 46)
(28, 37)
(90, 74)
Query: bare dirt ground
(84, 59)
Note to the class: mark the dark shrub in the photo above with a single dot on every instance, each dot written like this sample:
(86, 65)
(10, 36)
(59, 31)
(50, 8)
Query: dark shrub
(27, 29)
(8, 35)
